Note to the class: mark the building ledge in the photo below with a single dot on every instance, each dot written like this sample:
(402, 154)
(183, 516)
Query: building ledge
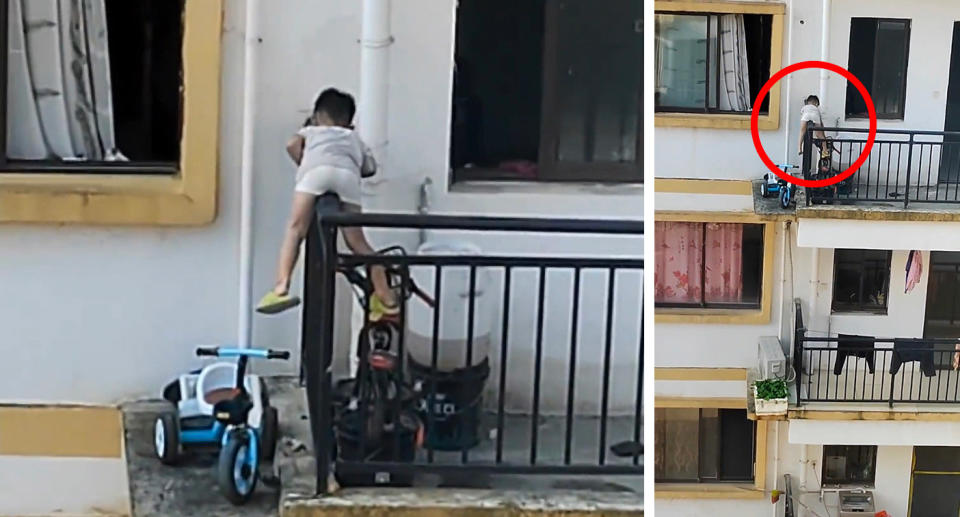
(708, 491)
(878, 211)
(949, 413)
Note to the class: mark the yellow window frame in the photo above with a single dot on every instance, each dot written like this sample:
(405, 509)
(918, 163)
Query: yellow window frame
(726, 316)
(757, 490)
(771, 120)
(188, 198)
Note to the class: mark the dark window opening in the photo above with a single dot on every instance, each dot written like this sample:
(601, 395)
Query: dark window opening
(849, 464)
(92, 86)
(711, 63)
(861, 279)
(704, 445)
(879, 50)
(548, 91)
(708, 265)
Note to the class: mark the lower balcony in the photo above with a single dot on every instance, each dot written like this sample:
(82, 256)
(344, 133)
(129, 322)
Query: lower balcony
(901, 373)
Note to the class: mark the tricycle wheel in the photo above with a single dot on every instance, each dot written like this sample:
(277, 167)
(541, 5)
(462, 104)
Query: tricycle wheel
(237, 469)
(166, 438)
(785, 198)
(269, 430)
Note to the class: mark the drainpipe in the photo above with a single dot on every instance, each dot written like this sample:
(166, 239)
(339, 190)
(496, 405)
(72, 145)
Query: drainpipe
(787, 158)
(824, 49)
(423, 207)
(375, 40)
(776, 464)
(252, 33)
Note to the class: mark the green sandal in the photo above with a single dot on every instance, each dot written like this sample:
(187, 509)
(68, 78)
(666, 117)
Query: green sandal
(273, 303)
(380, 310)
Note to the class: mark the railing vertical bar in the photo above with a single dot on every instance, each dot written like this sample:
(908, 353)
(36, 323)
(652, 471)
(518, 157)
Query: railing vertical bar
(867, 188)
(929, 173)
(906, 195)
(471, 324)
(504, 340)
(882, 373)
(435, 349)
(364, 374)
(320, 409)
(638, 407)
(870, 172)
(899, 161)
(889, 154)
(537, 365)
(607, 358)
(572, 373)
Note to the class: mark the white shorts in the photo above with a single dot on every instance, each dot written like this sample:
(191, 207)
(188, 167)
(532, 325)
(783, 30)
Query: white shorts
(321, 180)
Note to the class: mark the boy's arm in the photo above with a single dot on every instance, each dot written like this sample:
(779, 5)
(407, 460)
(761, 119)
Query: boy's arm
(803, 131)
(369, 166)
(295, 148)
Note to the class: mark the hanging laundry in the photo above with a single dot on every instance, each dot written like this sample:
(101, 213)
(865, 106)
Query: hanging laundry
(956, 358)
(855, 346)
(910, 350)
(914, 270)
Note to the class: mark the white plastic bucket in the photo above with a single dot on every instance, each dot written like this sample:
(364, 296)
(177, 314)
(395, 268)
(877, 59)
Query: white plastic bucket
(454, 306)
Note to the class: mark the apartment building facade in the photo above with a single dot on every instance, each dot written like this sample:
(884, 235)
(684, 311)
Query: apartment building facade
(856, 283)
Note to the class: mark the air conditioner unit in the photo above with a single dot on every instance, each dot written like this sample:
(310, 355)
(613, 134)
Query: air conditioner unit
(856, 503)
(772, 364)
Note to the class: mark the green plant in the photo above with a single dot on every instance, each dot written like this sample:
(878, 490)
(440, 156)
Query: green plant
(770, 389)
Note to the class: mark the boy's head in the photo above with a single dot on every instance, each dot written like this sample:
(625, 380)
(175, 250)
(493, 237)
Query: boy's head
(813, 99)
(336, 106)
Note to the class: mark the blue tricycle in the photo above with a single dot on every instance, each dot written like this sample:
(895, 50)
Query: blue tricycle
(779, 187)
(222, 407)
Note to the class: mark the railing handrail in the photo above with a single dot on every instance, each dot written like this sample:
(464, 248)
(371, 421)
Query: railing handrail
(484, 223)
(868, 339)
(922, 132)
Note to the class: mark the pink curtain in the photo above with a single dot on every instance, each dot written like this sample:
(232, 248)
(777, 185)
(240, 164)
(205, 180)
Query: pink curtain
(678, 262)
(724, 263)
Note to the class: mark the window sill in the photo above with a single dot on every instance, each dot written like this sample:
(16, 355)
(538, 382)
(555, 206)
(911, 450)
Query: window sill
(707, 491)
(858, 312)
(767, 122)
(706, 316)
(105, 199)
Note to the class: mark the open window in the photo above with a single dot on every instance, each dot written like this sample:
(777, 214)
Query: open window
(92, 86)
(548, 90)
(879, 51)
(849, 465)
(703, 445)
(861, 279)
(708, 265)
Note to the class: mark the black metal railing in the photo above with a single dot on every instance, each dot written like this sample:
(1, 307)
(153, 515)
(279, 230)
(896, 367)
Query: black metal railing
(902, 167)
(852, 368)
(565, 341)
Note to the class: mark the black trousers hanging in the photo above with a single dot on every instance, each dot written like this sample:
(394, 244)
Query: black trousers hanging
(908, 350)
(856, 346)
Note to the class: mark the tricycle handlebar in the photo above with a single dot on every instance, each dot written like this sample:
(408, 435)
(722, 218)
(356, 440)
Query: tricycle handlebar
(238, 352)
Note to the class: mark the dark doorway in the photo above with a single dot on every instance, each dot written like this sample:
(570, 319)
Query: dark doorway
(942, 316)
(950, 169)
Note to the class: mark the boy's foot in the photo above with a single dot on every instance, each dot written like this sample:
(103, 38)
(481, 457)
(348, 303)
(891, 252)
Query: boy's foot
(273, 303)
(380, 310)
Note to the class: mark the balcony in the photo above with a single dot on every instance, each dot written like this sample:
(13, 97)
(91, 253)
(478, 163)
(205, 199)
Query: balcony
(865, 369)
(905, 170)
(555, 343)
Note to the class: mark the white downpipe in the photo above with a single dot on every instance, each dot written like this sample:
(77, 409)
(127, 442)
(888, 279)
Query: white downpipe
(787, 158)
(776, 464)
(824, 49)
(804, 460)
(244, 309)
(784, 228)
(375, 40)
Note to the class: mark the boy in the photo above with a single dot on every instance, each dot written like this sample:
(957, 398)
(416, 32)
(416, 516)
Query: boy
(810, 114)
(330, 158)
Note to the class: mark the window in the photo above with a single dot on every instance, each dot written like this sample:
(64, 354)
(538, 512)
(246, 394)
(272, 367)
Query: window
(702, 445)
(111, 111)
(708, 265)
(711, 63)
(849, 464)
(93, 86)
(548, 90)
(879, 49)
(860, 280)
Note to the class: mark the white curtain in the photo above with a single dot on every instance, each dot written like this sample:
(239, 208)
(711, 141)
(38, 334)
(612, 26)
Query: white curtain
(59, 103)
(735, 73)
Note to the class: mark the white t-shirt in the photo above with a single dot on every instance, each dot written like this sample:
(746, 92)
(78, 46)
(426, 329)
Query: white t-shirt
(337, 147)
(811, 113)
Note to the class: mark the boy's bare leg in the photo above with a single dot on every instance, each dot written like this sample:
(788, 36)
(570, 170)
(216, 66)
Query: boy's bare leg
(357, 242)
(297, 227)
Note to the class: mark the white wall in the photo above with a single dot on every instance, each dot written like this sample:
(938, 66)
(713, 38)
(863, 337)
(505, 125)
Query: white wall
(103, 314)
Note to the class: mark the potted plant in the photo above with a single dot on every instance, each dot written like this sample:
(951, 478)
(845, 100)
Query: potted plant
(770, 397)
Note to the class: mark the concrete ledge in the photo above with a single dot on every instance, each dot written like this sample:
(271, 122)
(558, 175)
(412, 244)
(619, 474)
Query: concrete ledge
(376, 502)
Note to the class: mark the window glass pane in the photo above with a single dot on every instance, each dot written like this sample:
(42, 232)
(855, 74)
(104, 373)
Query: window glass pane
(861, 279)
(94, 81)
(677, 433)
(709, 443)
(935, 495)
(937, 459)
(891, 66)
(681, 54)
(863, 35)
(849, 464)
(726, 264)
(678, 263)
(599, 79)
(737, 450)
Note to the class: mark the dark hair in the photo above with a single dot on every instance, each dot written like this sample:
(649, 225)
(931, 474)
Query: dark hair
(812, 98)
(337, 105)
